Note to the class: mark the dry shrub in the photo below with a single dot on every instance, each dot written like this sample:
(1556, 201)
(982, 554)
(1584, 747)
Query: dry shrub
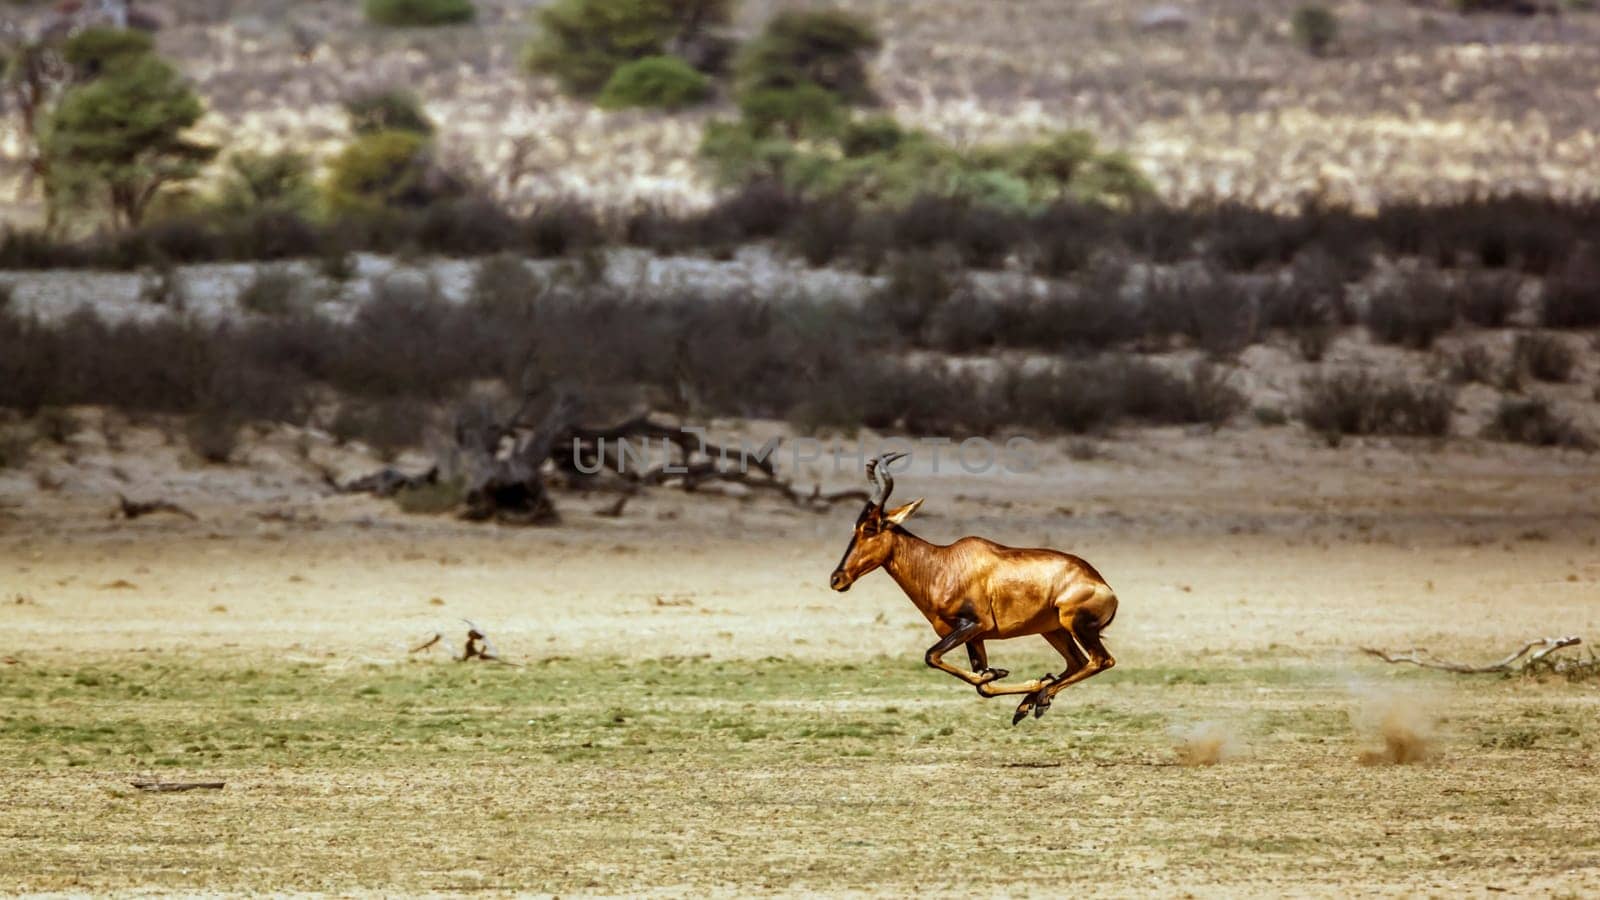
(1533, 422)
(1412, 312)
(1572, 298)
(1546, 357)
(387, 426)
(918, 283)
(823, 230)
(1403, 723)
(56, 425)
(213, 434)
(1205, 306)
(1357, 402)
(274, 291)
(1473, 365)
(1206, 744)
(504, 285)
(16, 446)
(1487, 299)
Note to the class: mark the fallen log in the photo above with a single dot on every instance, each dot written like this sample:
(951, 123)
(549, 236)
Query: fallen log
(501, 460)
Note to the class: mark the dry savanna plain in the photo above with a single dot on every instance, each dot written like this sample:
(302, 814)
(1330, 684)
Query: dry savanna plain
(680, 705)
(685, 707)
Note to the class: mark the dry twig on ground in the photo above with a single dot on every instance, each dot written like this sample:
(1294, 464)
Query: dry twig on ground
(172, 786)
(1536, 660)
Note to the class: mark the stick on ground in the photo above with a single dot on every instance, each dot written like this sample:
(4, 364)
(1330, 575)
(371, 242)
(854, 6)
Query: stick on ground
(1419, 656)
(170, 786)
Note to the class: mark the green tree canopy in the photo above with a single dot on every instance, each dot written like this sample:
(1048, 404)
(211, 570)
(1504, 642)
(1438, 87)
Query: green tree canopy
(125, 135)
(827, 48)
(94, 51)
(583, 42)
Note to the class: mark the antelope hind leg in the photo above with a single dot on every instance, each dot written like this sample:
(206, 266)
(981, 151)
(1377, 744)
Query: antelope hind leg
(1087, 631)
(1038, 701)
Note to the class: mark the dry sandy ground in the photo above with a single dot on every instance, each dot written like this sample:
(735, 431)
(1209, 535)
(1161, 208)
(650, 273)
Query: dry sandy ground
(1218, 544)
(1250, 567)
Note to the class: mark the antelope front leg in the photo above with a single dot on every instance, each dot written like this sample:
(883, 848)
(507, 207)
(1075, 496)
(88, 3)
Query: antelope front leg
(964, 631)
(979, 657)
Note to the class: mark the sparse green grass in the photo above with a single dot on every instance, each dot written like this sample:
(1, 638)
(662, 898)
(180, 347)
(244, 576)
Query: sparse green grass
(429, 774)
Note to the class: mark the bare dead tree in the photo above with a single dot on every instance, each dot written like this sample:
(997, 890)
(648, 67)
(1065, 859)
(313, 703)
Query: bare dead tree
(1515, 663)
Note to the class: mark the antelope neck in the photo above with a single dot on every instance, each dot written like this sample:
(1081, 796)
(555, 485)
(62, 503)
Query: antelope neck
(912, 564)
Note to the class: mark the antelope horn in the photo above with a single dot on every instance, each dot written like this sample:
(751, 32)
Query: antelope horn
(878, 476)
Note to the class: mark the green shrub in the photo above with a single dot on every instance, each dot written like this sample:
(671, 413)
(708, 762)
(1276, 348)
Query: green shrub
(664, 82)
(384, 169)
(827, 48)
(891, 165)
(433, 498)
(256, 181)
(582, 43)
(795, 112)
(418, 12)
(1066, 163)
(377, 111)
(1315, 29)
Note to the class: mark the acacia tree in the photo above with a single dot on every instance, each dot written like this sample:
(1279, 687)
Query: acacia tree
(123, 133)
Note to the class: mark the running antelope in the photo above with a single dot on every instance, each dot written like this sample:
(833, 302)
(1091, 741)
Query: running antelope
(975, 590)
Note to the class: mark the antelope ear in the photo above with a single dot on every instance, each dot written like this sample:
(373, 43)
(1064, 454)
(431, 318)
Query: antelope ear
(900, 514)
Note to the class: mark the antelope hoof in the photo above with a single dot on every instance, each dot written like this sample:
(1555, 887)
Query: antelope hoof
(990, 676)
(1020, 714)
(1040, 707)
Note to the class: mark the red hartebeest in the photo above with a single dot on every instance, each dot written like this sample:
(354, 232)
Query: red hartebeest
(975, 590)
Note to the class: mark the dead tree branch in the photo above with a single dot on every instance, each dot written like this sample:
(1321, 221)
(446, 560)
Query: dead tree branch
(501, 460)
(133, 509)
(388, 481)
(1540, 647)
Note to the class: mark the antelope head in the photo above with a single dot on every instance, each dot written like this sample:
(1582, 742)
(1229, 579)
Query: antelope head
(873, 541)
